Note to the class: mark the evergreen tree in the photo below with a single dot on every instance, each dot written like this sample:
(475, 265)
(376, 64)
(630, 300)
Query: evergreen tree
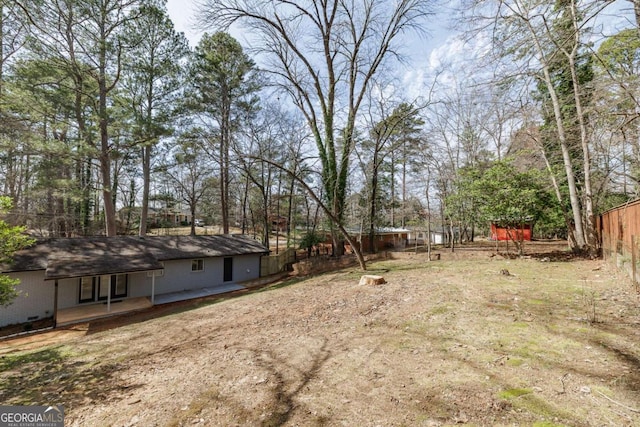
(225, 83)
(12, 239)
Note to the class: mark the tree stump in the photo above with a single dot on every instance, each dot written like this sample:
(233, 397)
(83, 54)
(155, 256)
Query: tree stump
(369, 279)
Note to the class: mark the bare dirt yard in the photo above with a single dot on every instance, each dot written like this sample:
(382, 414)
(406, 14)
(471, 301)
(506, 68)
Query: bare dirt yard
(468, 340)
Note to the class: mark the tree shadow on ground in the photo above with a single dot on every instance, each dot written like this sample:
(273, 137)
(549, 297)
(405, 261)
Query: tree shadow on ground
(289, 381)
(52, 377)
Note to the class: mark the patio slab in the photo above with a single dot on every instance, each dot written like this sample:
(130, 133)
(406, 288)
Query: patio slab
(196, 293)
(85, 313)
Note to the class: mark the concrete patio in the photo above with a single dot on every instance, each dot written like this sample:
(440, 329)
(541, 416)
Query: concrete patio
(85, 313)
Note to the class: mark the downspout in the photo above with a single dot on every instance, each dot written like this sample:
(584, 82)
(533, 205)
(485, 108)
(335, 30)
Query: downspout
(55, 305)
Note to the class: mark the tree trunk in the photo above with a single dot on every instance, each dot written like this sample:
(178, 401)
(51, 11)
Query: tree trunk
(266, 229)
(373, 208)
(428, 241)
(452, 236)
(290, 219)
(591, 238)
(562, 140)
(568, 166)
(556, 189)
(105, 152)
(146, 182)
(636, 10)
(245, 198)
(223, 189)
(393, 190)
(192, 209)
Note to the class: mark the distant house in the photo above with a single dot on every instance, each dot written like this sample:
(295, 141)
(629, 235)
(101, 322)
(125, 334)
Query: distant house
(384, 238)
(169, 217)
(438, 237)
(279, 223)
(129, 217)
(62, 278)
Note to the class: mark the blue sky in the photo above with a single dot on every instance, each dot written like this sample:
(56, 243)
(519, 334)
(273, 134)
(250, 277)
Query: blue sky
(425, 54)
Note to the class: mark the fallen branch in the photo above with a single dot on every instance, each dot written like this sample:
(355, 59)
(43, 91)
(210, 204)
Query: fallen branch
(618, 403)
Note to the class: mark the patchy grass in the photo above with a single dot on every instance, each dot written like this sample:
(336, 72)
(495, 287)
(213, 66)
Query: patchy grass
(451, 342)
(514, 393)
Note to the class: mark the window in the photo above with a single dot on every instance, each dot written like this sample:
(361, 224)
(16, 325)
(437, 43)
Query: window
(119, 286)
(116, 283)
(87, 289)
(197, 265)
(103, 287)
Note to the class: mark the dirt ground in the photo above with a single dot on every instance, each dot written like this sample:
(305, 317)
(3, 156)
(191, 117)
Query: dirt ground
(474, 339)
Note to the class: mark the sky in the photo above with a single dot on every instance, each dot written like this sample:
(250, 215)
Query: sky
(182, 13)
(425, 54)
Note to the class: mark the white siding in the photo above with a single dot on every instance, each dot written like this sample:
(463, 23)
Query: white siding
(34, 302)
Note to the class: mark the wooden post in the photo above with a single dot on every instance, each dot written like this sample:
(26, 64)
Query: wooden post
(153, 287)
(634, 258)
(108, 296)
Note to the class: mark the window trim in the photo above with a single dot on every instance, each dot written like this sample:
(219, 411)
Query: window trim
(198, 263)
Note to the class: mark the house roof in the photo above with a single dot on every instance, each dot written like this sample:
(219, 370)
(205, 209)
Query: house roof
(92, 256)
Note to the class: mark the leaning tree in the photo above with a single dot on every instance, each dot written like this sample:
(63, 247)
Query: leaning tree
(324, 55)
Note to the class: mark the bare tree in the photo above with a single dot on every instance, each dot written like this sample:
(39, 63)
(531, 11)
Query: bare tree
(190, 174)
(324, 54)
(538, 36)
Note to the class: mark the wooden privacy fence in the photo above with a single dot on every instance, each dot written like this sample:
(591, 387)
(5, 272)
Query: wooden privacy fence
(274, 264)
(620, 236)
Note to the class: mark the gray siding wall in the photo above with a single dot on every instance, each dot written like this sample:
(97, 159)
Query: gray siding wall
(246, 267)
(35, 299)
(68, 292)
(139, 285)
(179, 277)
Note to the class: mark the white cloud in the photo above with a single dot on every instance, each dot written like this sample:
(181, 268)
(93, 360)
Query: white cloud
(448, 53)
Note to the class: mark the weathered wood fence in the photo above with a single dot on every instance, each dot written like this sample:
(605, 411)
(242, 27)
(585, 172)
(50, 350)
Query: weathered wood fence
(274, 264)
(620, 237)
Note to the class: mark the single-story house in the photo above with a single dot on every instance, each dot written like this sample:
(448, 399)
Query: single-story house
(156, 217)
(385, 238)
(58, 276)
(419, 237)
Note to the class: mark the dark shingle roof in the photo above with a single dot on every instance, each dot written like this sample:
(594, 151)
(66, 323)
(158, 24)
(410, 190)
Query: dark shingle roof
(77, 257)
